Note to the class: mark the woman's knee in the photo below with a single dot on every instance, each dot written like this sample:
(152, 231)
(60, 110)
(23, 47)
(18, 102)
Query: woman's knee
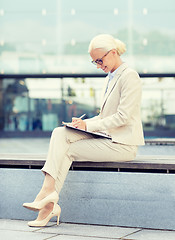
(58, 131)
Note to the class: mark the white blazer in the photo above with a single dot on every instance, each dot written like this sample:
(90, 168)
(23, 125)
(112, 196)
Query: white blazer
(120, 109)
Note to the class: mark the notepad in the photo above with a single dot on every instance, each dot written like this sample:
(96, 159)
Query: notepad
(94, 134)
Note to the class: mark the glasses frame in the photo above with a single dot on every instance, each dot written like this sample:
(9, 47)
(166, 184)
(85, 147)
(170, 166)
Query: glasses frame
(99, 61)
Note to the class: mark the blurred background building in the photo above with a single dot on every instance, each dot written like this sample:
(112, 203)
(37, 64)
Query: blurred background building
(41, 38)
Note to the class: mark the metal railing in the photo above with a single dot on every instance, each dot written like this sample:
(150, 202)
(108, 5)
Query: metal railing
(78, 75)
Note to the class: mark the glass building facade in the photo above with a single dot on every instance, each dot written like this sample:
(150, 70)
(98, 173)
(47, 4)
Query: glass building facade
(52, 37)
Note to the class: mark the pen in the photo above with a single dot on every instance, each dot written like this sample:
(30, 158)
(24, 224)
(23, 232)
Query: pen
(82, 116)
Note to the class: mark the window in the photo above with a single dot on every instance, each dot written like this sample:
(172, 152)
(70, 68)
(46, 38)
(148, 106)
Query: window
(52, 36)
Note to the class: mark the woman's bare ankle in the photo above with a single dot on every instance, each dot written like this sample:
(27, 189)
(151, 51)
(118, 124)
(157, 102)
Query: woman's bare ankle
(44, 192)
(47, 188)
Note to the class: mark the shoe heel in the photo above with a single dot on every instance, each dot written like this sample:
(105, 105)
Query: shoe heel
(58, 216)
(58, 220)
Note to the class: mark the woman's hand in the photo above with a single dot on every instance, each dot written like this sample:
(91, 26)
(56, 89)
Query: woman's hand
(78, 123)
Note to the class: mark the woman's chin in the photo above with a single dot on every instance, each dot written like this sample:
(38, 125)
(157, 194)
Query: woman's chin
(105, 69)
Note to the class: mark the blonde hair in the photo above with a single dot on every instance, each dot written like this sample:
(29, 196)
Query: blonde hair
(107, 42)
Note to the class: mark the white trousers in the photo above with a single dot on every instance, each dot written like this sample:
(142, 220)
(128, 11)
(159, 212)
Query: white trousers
(67, 145)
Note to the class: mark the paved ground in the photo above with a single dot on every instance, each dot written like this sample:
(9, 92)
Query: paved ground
(17, 230)
(40, 145)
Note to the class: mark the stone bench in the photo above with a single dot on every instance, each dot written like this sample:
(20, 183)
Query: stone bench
(147, 163)
(139, 193)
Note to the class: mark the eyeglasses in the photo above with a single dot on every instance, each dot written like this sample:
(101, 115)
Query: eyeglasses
(100, 60)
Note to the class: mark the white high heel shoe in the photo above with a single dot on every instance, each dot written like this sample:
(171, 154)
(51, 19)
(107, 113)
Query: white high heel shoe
(37, 205)
(55, 212)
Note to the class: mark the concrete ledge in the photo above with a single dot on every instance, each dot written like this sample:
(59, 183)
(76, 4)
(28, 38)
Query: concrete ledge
(108, 198)
(143, 162)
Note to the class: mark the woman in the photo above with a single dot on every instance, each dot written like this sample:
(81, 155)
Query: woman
(119, 117)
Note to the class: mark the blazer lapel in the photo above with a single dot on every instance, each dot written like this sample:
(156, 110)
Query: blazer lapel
(112, 83)
(104, 88)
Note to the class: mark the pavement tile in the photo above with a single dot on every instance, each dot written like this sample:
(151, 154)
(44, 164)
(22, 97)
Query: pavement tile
(68, 237)
(20, 235)
(152, 235)
(89, 230)
(19, 225)
(16, 225)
